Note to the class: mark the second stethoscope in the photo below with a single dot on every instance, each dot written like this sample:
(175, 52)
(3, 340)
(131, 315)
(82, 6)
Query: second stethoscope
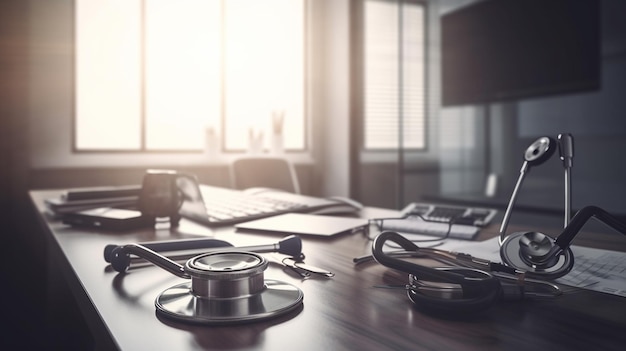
(539, 255)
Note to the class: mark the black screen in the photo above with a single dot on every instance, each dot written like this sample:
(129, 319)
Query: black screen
(508, 49)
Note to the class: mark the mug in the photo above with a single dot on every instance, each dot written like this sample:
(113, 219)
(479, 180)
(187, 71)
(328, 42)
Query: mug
(161, 195)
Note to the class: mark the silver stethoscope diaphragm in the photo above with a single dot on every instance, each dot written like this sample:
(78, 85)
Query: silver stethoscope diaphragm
(228, 287)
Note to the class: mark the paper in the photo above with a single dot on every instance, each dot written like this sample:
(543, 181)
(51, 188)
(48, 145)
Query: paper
(594, 269)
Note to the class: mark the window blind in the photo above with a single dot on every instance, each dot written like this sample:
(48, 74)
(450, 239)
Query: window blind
(394, 77)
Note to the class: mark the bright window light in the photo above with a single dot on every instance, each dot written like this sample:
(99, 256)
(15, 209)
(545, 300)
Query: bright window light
(154, 74)
(182, 72)
(108, 87)
(264, 55)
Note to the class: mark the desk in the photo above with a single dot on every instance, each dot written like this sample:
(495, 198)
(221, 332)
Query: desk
(342, 313)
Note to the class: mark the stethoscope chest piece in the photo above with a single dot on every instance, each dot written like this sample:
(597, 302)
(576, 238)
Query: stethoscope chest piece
(524, 250)
(227, 287)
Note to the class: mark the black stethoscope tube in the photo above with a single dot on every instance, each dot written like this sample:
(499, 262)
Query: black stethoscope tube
(579, 220)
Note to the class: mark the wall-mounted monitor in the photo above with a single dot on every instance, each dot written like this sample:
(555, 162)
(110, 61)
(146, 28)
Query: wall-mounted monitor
(497, 50)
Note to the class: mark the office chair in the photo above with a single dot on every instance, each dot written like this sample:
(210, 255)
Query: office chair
(264, 172)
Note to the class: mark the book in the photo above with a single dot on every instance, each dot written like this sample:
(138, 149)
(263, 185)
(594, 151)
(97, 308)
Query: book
(102, 192)
(75, 200)
(60, 205)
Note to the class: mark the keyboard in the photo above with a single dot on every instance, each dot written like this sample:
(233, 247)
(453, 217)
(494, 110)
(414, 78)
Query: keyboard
(224, 205)
(433, 220)
(214, 206)
(467, 215)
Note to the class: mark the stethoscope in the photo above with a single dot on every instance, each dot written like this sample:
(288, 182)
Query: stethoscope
(466, 286)
(226, 286)
(536, 254)
(530, 259)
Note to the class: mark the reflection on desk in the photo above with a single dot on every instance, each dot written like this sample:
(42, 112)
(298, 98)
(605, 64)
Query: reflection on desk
(346, 312)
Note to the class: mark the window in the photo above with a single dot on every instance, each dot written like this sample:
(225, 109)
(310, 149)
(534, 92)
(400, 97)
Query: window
(155, 74)
(393, 75)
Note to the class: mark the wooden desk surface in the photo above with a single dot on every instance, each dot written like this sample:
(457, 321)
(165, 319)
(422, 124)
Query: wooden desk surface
(342, 313)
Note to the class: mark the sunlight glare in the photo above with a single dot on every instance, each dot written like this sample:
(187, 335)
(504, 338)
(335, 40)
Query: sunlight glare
(264, 68)
(182, 72)
(155, 74)
(107, 86)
